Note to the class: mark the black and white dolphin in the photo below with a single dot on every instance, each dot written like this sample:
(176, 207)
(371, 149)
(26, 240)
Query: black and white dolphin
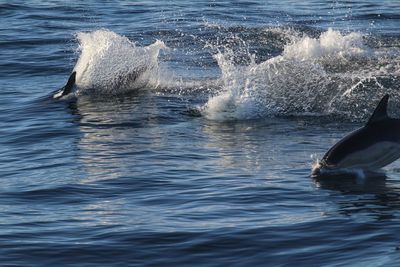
(371, 147)
(122, 81)
(67, 89)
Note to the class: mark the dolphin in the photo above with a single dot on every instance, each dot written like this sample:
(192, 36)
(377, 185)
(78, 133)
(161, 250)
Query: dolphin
(67, 88)
(120, 81)
(370, 148)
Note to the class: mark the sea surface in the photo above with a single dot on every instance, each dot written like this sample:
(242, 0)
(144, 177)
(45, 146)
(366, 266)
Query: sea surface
(192, 131)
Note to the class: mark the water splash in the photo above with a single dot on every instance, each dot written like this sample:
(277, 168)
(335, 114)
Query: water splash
(333, 74)
(110, 63)
(330, 44)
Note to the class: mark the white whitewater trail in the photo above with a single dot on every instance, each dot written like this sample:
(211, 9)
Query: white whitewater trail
(312, 76)
(110, 63)
(334, 73)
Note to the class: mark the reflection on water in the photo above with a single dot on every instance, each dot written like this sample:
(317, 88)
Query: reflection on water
(372, 197)
(112, 134)
(235, 144)
(353, 182)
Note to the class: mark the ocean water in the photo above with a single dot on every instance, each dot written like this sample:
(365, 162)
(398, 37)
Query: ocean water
(191, 135)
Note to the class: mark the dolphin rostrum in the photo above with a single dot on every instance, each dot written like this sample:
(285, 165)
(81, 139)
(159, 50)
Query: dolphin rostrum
(371, 147)
(67, 88)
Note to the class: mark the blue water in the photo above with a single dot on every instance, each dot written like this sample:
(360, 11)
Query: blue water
(206, 160)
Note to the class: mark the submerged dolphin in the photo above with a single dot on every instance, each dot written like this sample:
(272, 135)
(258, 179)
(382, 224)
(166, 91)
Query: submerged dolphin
(371, 147)
(118, 82)
(67, 88)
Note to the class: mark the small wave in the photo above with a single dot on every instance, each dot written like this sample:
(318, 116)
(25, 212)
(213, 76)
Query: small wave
(333, 74)
(110, 63)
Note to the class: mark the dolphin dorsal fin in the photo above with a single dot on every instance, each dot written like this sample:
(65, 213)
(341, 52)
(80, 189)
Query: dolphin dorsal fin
(380, 112)
(71, 82)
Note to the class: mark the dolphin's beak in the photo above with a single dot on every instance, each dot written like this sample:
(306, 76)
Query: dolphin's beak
(317, 167)
(321, 167)
(316, 170)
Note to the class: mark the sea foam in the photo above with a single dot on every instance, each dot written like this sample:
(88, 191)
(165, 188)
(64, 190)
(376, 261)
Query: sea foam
(314, 76)
(111, 63)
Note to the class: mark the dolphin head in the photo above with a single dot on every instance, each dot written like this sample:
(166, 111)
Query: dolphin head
(321, 167)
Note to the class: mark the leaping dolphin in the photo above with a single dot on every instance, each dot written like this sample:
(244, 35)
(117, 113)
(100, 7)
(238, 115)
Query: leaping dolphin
(371, 147)
(67, 88)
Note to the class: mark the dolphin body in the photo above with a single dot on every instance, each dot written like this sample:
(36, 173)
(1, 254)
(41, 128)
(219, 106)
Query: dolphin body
(119, 82)
(370, 148)
(67, 89)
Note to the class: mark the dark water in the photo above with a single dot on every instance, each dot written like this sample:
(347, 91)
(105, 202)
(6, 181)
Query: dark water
(206, 159)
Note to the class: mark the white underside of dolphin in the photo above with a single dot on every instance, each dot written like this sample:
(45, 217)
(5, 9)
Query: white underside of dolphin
(373, 157)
